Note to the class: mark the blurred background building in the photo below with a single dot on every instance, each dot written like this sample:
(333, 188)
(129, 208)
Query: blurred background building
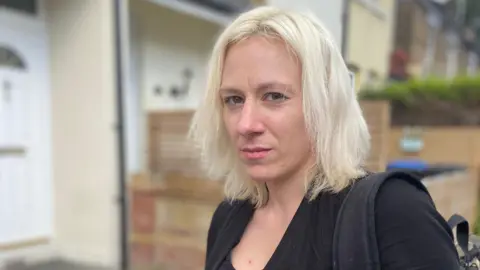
(58, 167)
(61, 65)
(96, 97)
(369, 39)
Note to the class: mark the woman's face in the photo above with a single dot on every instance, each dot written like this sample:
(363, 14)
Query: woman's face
(261, 91)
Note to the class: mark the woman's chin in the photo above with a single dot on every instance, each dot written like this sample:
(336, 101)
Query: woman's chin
(260, 174)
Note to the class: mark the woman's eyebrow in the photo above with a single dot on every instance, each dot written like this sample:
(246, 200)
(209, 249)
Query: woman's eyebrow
(269, 86)
(230, 91)
(261, 87)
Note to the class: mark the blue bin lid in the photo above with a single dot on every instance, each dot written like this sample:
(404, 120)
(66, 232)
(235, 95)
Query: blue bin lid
(411, 164)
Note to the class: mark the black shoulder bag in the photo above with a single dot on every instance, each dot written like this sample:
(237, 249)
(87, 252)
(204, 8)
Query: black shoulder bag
(355, 247)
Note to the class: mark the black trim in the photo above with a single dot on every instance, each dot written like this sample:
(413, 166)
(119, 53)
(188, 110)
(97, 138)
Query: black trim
(29, 7)
(120, 129)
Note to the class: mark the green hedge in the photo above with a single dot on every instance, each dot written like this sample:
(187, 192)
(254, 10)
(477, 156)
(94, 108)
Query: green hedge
(476, 225)
(461, 90)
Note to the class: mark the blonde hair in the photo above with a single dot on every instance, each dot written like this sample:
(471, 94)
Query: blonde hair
(333, 116)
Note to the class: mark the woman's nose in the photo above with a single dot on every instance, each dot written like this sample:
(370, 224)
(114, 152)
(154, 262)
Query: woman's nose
(250, 119)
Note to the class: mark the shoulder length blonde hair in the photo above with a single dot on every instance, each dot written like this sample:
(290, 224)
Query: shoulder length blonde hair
(332, 113)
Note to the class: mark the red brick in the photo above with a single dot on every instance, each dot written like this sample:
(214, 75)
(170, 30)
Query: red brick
(180, 257)
(142, 213)
(142, 254)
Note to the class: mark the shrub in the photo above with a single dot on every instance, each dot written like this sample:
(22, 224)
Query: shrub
(458, 98)
(460, 90)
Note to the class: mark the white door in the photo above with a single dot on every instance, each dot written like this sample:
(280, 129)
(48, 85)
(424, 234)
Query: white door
(25, 185)
(15, 202)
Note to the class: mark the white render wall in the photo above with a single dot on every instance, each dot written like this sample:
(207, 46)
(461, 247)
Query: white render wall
(169, 42)
(328, 11)
(84, 141)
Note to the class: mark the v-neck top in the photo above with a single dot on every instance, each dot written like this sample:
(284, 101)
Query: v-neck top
(411, 234)
(296, 241)
(287, 248)
(227, 263)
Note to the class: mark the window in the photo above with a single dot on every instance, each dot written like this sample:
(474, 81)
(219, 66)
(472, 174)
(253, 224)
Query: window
(26, 6)
(225, 6)
(10, 59)
(372, 78)
(354, 71)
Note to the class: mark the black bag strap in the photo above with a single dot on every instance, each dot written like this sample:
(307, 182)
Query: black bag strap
(355, 247)
(462, 231)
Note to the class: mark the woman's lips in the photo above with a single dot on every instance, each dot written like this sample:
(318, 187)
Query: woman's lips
(255, 153)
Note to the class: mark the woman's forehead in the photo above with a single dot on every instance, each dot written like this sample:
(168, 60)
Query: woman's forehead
(260, 64)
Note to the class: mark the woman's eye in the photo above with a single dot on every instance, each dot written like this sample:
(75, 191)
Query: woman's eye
(274, 96)
(233, 100)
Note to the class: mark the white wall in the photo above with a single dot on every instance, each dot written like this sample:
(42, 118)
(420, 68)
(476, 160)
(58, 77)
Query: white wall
(84, 140)
(132, 94)
(169, 42)
(328, 11)
(163, 43)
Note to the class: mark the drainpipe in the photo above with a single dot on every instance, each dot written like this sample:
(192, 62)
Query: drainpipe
(120, 9)
(345, 27)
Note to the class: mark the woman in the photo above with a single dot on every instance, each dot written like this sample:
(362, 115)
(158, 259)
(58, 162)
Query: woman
(281, 124)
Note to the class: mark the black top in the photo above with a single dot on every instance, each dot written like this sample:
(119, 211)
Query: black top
(227, 263)
(411, 234)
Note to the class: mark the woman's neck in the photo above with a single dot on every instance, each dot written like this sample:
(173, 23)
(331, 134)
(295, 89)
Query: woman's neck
(284, 197)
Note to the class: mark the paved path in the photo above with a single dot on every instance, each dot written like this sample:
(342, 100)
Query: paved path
(62, 265)
(51, 265)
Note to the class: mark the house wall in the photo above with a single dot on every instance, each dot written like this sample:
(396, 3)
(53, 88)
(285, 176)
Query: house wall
(169, 42)
(84, 141)
(412, 36)
(165, 51)
(159, 54)
(402, 29)
(417, 32)
(370, 36)
(420, 31)
(132, 95)
(329, 12)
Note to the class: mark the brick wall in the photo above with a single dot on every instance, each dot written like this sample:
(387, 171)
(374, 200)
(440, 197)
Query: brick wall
(455, 193)
(447, 145)
(169, 222)
(377, 116)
